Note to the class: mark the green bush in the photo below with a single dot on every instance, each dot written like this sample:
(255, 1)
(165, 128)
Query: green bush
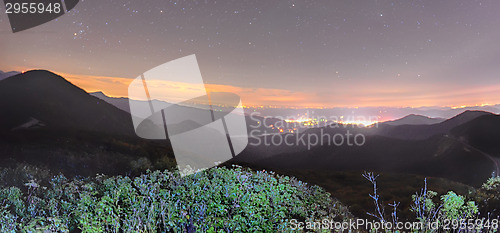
(216, 200)
(489, 196)
(453, 213)
(492, 185)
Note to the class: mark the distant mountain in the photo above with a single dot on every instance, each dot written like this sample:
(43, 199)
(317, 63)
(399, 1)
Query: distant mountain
(413, 119)
(418, 149)
(257, 124)
(4, 75)
(58, 105)
(384, 113)
(123, 103)
(421, 132)
(119, 102)
(400, 132)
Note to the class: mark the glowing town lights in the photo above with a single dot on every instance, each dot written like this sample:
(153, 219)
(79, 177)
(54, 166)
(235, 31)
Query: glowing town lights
(358, 122)
(315, 122)
(469, 106)
(300, 120)
(458, 107)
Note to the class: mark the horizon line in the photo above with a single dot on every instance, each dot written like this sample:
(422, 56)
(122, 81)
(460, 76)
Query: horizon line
(73, 78)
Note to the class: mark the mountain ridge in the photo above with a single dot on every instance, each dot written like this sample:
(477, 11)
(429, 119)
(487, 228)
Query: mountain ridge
(58, 103)
(4, 75)
(414, 119)
(421, 132)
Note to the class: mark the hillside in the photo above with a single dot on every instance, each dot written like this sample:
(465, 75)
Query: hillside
(48, 122)
(437, 156)
(50, 100)
(482, 133)
(415, 149)
(262, 147)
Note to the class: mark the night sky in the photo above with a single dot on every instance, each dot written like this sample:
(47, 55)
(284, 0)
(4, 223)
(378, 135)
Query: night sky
(287, 53)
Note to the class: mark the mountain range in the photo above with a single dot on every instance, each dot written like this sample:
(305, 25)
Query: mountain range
(414, 119)
(254, 122)
(47, 120)
(463, 148)
(424, 131)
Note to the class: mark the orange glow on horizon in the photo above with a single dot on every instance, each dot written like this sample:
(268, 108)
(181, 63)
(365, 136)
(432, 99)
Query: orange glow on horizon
(262, 97)
(278, 98)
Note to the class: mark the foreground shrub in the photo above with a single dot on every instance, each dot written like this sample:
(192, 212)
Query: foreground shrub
(216, 200)
(452, 214)
(489, 196)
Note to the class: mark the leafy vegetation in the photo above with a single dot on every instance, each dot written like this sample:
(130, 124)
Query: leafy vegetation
(228, 199)
(216, 200)
(489, 196)
(84, 153)
(453, 207)
(453, 213)
(352, 189)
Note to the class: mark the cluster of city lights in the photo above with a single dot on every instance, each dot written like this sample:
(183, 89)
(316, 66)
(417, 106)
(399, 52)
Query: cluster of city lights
(315, 122)
(466, 106)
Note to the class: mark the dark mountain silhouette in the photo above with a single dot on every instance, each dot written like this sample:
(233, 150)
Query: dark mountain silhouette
(437, 156)
(482, 133)
(48, 122)
(413, 119)
(58, 104)
(420, 132)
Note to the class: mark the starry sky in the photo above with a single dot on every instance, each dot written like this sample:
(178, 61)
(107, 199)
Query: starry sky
(323, 53)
